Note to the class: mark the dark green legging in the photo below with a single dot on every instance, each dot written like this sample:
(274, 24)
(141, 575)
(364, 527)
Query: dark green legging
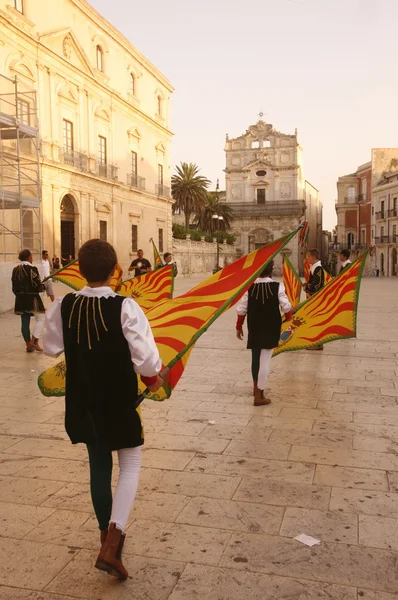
(256, 352)
(101, 464)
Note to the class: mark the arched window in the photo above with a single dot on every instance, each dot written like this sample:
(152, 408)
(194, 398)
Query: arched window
(132, 84)
(100, 58)
(159, 105)
(351, 195)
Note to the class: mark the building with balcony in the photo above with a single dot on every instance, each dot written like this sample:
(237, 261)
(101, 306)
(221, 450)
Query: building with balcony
(267, 190)
(102, 131)
(385, 223)
(355, 205)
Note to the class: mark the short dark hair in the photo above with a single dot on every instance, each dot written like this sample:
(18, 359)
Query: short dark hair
(43, 252)
(166, 255)
(315, 253)
(140, 250)
(97, 259)
(24, 254)
(268, 269)
(346, 253)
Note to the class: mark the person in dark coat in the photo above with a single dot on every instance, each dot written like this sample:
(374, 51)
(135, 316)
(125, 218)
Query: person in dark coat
(26, 286)
(344, 259)
(107, 342)
(262, 304)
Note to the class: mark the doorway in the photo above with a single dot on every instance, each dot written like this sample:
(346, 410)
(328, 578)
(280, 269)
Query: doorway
(394, 261)
(382, 264)
(67, 229)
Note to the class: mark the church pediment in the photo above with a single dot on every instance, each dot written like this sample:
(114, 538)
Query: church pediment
(64, 43)
(68, 93)
(260, 131)
(258, 164)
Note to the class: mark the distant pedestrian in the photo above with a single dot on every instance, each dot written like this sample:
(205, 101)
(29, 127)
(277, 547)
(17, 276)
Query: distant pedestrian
(317, 279)
(44, 271)
(168, 260)
(344, 259)
(26, 286)
(56, 263)
(140, 265)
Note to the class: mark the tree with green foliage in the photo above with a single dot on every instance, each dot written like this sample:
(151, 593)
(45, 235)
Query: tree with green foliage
(212, 207)
(189, 190)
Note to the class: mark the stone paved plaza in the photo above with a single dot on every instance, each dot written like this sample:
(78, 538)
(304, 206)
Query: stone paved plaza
(220, 504)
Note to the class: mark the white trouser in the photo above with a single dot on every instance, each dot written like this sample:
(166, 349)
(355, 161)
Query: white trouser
(126, 489)
(265, 367)
(39, 324)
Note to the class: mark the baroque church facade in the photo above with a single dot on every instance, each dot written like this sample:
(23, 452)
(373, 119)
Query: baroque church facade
(267, 190)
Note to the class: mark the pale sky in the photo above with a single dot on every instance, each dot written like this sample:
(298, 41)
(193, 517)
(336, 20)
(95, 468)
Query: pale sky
(327, 67)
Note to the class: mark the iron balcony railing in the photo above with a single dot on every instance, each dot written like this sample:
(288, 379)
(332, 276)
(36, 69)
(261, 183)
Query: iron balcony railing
(107, 171)
(281, 208)
(74, 159)
(385, 239)
(134, 181)
(362, 197)
(163, 190)
(351, 200)
(393, 213)
(380, 215)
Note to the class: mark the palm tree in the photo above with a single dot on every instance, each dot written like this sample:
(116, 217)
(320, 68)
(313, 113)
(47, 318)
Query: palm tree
(213, 207)
(189, 190)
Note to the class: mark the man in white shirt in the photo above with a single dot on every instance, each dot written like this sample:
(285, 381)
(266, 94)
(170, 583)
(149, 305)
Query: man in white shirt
(107, 342)
(44, 271)
(262, 304)
(344, 259)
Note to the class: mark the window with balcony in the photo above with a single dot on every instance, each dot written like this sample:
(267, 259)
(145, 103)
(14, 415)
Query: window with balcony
(160, 240)
(260, 193)
(68, 136)
(102, 153)
(100, 58)
(394, 231)
(351, 195)
(134, 164)
(18, 5)
(103, 230)
(381, 233)
(134, 238)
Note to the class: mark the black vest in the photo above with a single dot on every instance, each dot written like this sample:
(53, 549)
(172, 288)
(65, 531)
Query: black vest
(263, 316)
(101, 384)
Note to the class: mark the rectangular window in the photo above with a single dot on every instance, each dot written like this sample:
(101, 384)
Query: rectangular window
(160, 174)
(103, 230)
(382, 232)
(27, 229)
(382, 209)
(363, 236)
(134, 164)
(373, 210)
(102, 155)
(261, 196)
(394, 230)
(18, 5)
(134, 238)
(161, 240)
(68, 136)
(395, 207)
(23, 111)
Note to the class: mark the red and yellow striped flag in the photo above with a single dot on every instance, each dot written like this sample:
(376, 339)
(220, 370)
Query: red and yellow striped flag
(331, 314)
(178, 323)
(150, 289)
(291, 281)
(71, 276)
(157, 259)
(307, 270)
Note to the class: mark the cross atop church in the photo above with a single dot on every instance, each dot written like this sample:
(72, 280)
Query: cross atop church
(261, 115)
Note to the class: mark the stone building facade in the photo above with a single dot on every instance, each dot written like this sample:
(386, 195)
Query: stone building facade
(267, 190)
(385, 224)
(103, 113)
(362, 221)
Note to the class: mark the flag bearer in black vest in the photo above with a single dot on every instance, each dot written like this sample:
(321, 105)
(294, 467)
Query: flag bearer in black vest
(107, 341)
(262, 303)
(317, 279)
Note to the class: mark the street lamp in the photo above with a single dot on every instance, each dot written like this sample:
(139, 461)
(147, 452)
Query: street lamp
(217, 222)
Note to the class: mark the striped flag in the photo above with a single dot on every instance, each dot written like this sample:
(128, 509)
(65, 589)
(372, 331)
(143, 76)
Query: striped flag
(71, 276)
(291, 281)
(307, 270)
(178, 323)
(150, 289)
(157, 259)
(330, 314)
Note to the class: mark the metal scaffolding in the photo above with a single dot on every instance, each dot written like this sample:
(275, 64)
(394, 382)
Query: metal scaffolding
(20, 202)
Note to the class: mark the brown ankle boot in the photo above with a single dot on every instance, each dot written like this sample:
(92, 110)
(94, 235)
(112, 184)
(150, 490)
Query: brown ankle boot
(259, 399)
(254, 387)
(100, 559)
(110, 556)
(35, 344)
(29, 347)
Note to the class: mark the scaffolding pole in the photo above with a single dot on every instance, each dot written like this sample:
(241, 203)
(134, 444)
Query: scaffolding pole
(20, 191)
